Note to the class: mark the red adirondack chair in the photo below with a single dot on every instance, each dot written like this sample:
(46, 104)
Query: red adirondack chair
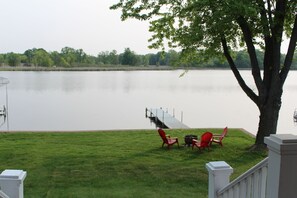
(167, 139)
(218, 138)
(204, 142)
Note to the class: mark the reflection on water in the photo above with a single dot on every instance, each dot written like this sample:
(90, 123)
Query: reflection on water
(117, 100)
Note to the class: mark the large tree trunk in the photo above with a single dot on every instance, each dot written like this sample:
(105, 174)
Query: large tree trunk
(270, 91)
(270, 87)
(269, 113)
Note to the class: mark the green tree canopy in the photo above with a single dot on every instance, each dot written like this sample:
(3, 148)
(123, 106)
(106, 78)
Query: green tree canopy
(13, 59)
(129, 57)
(41, 58)
(206, 28)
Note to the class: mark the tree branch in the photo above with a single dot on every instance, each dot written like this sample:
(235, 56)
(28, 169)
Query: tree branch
(250, 93)
(252, 52)
(290, 52)
(266, 20)
(269, 13)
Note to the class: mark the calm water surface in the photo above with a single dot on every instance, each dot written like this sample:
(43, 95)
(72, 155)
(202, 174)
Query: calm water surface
(51, 101)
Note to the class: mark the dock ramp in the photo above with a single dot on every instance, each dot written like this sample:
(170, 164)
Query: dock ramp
(164, 119)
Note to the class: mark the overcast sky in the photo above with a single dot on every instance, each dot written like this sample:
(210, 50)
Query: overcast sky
(81, 24)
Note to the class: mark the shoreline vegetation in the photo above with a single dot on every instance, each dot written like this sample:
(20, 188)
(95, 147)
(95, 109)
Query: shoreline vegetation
(120, 163)
(106, 68)
(70, 59)
(89, 68)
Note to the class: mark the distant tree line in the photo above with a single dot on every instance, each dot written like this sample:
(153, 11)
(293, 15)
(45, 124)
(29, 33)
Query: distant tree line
(69, 57)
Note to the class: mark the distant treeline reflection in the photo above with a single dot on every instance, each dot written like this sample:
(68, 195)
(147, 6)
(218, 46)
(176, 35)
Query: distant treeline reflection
(69, 57)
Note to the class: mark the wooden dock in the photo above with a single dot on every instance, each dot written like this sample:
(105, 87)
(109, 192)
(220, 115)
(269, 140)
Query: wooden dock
(164, 119)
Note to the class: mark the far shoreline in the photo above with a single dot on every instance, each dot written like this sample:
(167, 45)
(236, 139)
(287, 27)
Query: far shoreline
(106, 68)
(116, 130)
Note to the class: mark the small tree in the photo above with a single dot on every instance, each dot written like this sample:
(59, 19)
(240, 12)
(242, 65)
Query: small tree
(129, 57)
(113, 57)
(69, 55)
(58, 60)
(41, 58)
(13, 59)
(2, 59)
(29, 54)
(214, 27)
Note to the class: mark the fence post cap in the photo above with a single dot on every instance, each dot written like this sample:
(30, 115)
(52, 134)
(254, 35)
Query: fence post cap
(283, 144)
(281, 138)
(218, 166)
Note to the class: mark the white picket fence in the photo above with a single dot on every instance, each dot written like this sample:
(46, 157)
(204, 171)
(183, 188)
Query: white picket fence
(274, 177)
(3, 195)
(251, 184)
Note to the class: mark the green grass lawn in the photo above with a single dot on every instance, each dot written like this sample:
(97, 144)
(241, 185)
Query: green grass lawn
(119, 163)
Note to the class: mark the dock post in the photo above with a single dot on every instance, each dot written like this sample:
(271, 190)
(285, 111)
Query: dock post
(163, 119)
(182, 115)
(173, 113)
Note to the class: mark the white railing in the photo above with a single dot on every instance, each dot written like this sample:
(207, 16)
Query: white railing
(251, 184)
(274, 177)
(3, 195)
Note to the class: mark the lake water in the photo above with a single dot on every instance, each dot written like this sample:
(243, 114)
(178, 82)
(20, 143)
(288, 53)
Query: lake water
(66, 101)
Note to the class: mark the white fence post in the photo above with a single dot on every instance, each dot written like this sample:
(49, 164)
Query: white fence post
(12, 183)
(282, 165)
(218, 176)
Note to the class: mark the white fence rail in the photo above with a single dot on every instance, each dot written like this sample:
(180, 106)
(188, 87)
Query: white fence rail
(3, 195)
(274, 177)
(251, 184)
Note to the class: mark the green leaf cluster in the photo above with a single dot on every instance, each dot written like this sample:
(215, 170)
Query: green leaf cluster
(200, 25)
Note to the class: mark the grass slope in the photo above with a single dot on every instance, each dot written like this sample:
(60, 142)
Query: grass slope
(119, 163)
